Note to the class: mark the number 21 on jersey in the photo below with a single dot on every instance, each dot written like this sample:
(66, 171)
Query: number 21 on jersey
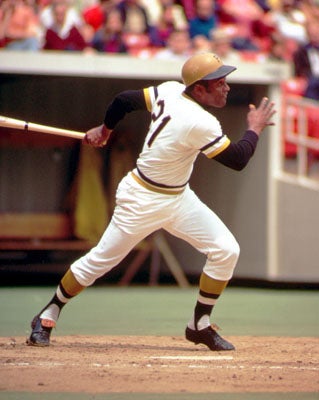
(163, 120)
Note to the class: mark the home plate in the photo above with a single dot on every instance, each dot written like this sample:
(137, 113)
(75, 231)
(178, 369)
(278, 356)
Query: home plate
(192, 358)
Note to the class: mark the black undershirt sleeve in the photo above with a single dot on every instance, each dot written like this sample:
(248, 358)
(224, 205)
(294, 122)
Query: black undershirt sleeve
(237, 155)
(122, 104)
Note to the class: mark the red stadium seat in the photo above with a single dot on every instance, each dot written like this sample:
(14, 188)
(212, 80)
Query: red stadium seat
(313, 126)
(291, 87)
(296, 86)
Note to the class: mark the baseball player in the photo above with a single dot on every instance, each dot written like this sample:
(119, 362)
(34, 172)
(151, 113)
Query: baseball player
(156, 193)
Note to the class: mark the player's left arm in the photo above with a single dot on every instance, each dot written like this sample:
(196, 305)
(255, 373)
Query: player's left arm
(122, 104)
(237, 155)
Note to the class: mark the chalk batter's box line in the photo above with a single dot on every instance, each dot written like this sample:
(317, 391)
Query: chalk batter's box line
(49, 364)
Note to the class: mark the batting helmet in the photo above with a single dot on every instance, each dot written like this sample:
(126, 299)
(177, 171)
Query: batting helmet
(204, 66)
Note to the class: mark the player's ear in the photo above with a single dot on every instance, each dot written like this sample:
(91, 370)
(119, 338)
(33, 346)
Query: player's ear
(199, 91)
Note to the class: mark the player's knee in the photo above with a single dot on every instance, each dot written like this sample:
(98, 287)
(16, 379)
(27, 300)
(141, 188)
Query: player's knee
(228, 250)
(222, 261)
(233, 252)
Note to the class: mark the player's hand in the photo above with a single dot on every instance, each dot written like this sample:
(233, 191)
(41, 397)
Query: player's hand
(260, 117)
(98, 136)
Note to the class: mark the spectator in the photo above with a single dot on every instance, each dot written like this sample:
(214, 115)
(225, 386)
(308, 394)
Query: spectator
(170, 18)
(244, 16)
(239, 11)
(205, 19)
(156, 8)
(179, 47)
(109, 38)
(62, 34)
(277, 48)
(289, 23)
(174, 13)
(136, 26)
(95, 15)
(152, 9)
(201, 44)
(306, 61)
(243, 40)
(134, 17)
(72, 17)
(222, 45)
(19, 25)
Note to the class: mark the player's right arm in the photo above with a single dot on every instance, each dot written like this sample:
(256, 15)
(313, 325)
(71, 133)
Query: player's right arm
(98, 136)
(122, 104)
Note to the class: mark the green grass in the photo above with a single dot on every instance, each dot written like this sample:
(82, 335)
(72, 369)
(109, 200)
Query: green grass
(163, 311)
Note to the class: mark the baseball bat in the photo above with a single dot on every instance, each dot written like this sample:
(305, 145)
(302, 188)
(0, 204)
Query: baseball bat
(30, 126)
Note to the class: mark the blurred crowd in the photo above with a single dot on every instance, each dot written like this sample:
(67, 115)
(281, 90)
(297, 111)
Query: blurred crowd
(237, 30)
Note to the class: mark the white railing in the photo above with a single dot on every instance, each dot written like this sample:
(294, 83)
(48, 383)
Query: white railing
(300, 129)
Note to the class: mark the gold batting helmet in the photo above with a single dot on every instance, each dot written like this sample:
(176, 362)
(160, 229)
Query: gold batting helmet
(204, 66)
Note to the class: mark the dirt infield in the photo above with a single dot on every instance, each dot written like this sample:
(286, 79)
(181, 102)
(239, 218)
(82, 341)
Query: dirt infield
(159, 364)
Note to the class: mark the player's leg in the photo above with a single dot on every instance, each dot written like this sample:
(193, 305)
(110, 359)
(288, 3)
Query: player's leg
(202, 228)
(110, 251)
(133, 219)
(46, 319)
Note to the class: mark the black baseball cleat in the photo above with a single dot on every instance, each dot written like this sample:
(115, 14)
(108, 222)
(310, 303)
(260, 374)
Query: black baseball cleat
(209, 337)
(40, 335)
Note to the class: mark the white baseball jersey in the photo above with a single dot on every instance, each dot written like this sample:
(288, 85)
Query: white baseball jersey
(180, 129)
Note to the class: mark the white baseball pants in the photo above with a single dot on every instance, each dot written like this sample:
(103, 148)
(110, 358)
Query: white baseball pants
(139, 212)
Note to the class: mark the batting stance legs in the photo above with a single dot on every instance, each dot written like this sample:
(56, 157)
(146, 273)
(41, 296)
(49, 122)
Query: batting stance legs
(182, 215)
